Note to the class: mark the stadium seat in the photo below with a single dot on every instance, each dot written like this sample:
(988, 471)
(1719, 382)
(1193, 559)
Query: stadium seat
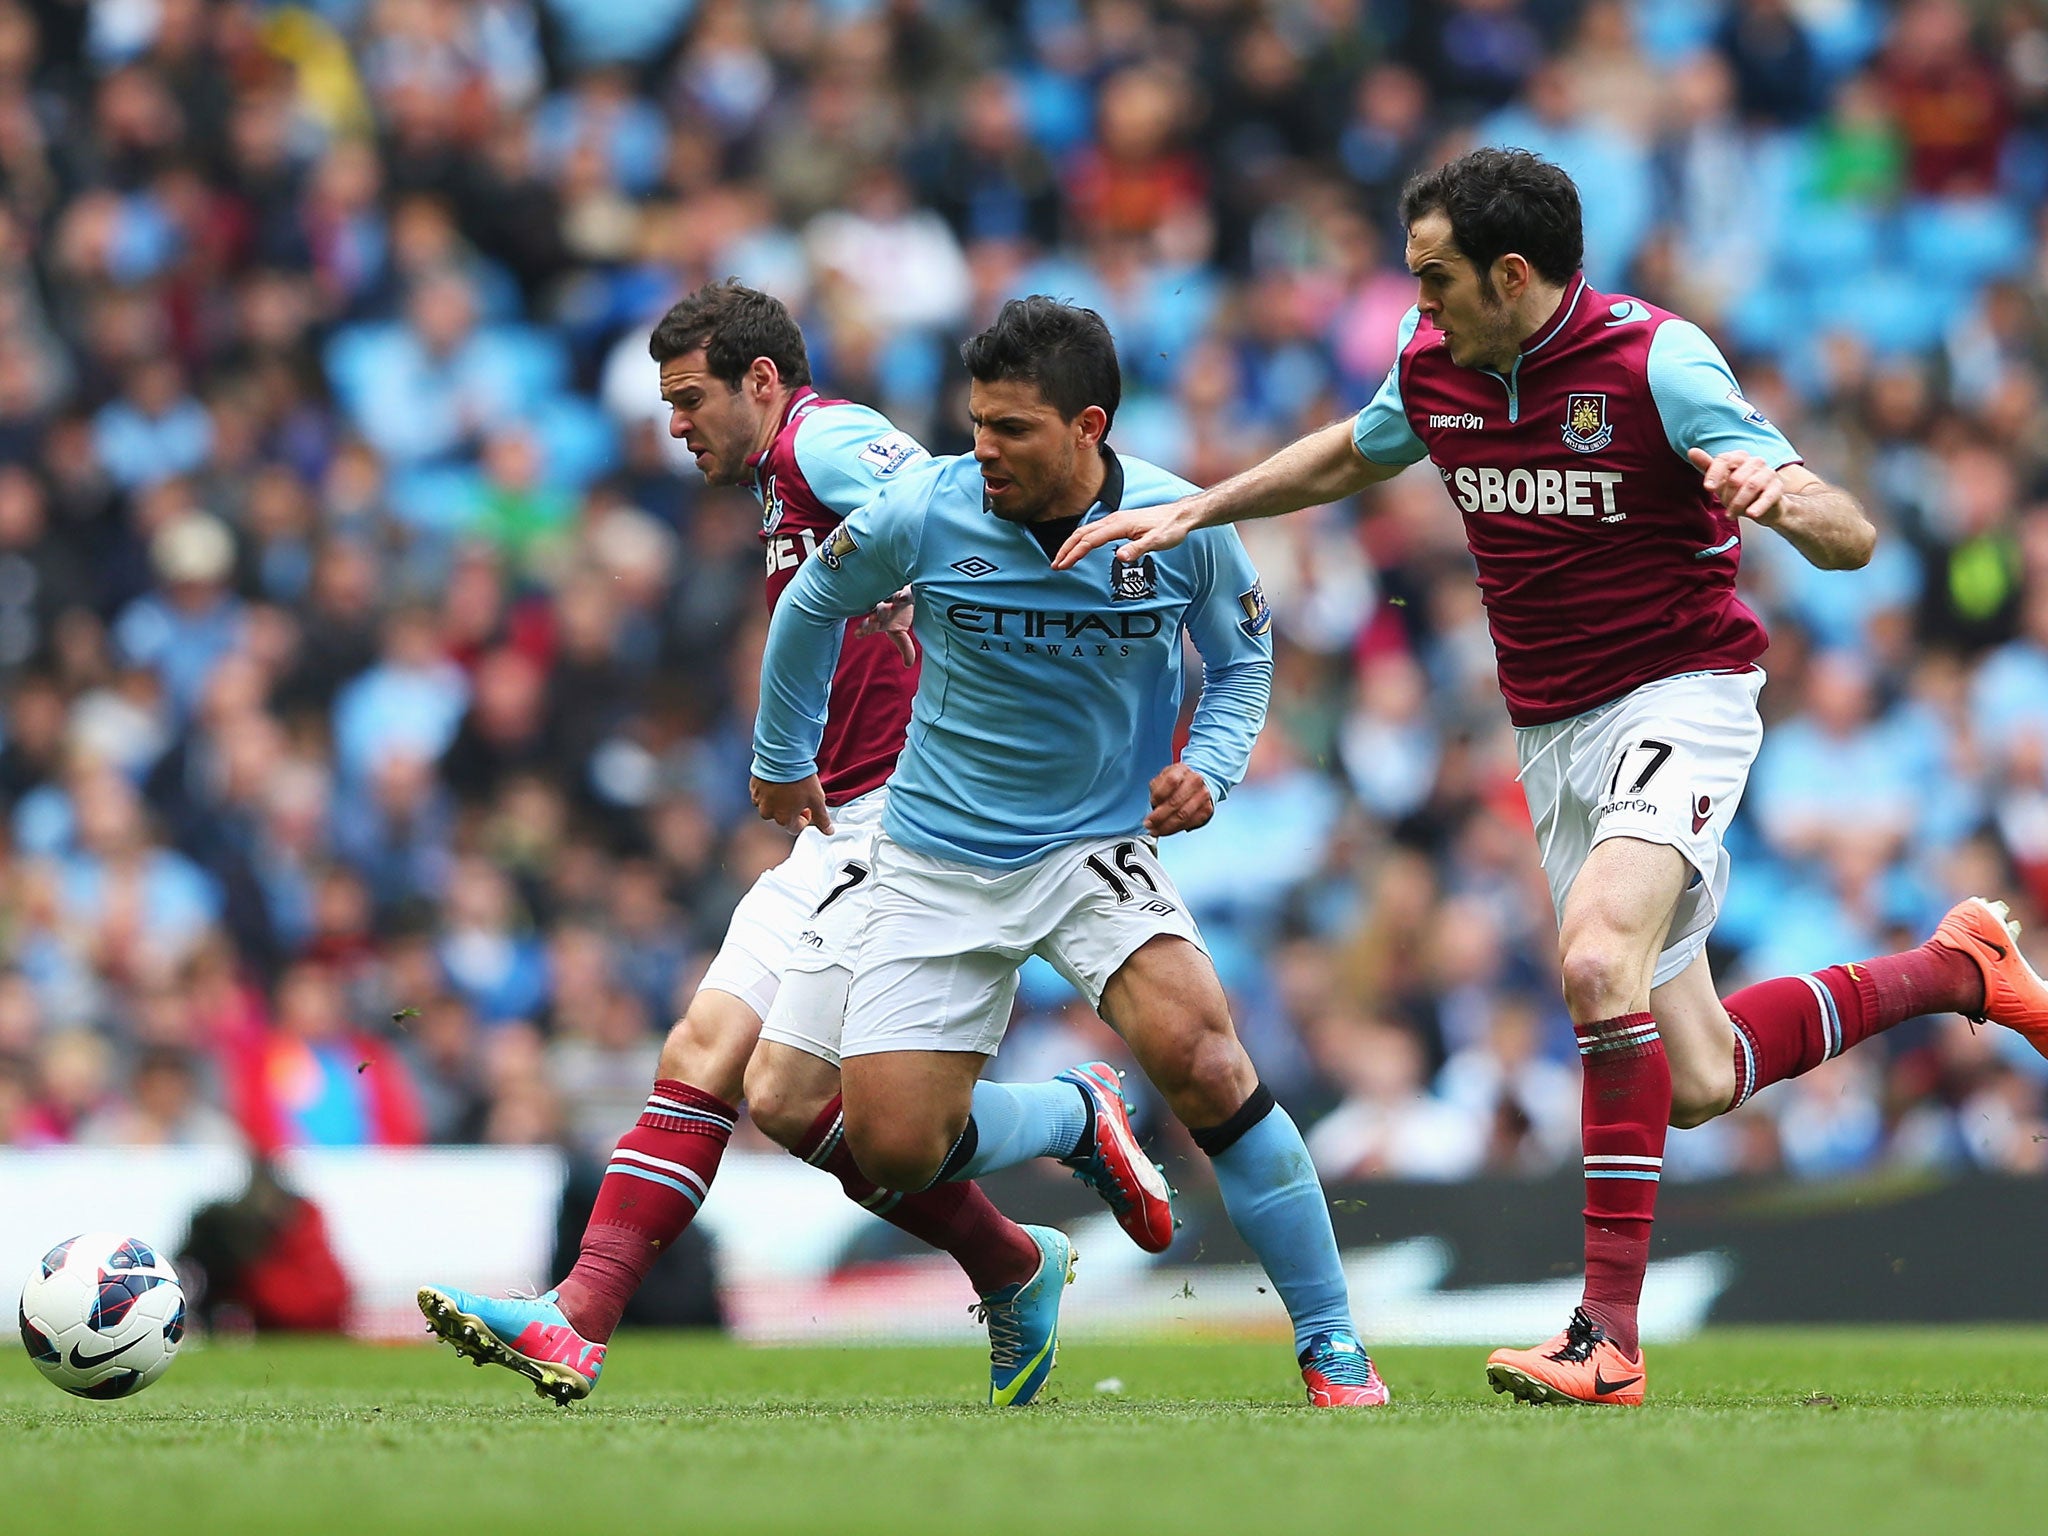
(578, 441)
(1964, 242)
(437, 500)
(1892, 310)
(1828, 244)
(532, 364)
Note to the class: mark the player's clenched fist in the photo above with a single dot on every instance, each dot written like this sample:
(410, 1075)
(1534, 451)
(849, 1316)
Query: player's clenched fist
(1743, 483)
(1180, 801)
(792, 806)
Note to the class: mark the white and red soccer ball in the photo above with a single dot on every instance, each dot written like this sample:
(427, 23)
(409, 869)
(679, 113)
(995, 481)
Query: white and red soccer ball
(102, 1315)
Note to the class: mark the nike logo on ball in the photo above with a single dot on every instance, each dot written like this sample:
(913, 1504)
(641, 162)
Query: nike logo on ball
(85, 1362)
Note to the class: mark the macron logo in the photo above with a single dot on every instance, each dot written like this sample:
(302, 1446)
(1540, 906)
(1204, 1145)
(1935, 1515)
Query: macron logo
(1459, 419)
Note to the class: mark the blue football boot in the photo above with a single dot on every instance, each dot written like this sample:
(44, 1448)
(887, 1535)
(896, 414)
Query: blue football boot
(1024, 1323)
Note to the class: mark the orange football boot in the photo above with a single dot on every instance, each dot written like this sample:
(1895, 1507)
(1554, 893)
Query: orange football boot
(2014, 993)
(1580, 1365)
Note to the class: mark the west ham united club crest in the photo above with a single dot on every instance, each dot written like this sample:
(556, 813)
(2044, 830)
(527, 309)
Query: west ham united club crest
(1586, 427)
(1132, 583)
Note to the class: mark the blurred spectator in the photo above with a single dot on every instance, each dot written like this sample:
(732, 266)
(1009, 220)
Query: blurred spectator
(1389, 1125)
(1777, 77)
(164, 1108)
(183, 632)
(317, 1079)
(1949, 99)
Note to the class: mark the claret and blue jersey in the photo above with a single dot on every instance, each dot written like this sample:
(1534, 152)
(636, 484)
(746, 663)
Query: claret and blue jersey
(1048, 699)
(1603, 560)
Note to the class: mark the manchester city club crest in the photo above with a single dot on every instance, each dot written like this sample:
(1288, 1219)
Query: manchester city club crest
(1132, 583)
(1586, 427)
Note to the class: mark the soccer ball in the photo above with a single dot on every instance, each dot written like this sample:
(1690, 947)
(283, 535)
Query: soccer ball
(102, 1315)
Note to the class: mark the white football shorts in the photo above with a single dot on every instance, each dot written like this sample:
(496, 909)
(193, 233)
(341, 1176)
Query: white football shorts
(1666, 763)
(935, 964)
(777, 925)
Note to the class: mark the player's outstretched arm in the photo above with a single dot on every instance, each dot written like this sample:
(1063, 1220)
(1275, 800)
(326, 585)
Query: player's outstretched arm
(1321, 467)
(1824, 522)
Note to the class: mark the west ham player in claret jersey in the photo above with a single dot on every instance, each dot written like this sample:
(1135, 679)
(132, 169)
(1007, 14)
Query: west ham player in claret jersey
(736, 376)
(1606, 463)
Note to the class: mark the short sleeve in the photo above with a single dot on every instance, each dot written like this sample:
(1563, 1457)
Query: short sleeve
(1381, 432)
(1700, 403)
(850, 453)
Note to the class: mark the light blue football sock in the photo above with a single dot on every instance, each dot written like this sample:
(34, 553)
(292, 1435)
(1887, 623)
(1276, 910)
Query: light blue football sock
(1275, 1201)
(1012, 1123)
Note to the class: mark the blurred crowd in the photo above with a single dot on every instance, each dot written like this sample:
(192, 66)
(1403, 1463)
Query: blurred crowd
(378, 680)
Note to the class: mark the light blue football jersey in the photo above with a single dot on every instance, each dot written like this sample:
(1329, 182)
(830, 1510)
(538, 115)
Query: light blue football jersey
(1048, 699)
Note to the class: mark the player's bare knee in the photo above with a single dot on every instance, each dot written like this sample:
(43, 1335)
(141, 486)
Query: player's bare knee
(1215, 1078)
(1601, 978)
(709, 1046)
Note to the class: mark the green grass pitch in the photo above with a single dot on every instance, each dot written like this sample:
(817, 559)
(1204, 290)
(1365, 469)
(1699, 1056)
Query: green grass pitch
(1928, 1432)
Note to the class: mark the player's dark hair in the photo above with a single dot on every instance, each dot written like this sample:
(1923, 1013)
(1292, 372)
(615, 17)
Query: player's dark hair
(1065, 350)
(734, 324)
(1501, 201)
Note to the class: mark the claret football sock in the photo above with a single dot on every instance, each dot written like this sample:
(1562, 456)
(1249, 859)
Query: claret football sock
(656, 1180)
(1273, 1198)
(1625, 1106)
(955, 1218)
(1013, 1123)
(1791, 1024)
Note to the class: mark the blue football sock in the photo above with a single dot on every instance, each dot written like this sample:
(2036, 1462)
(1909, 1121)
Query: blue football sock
(1275, 1201)
(1012, 1123)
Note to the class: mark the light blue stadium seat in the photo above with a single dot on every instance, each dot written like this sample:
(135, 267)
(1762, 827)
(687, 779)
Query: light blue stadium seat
(1761, 320)
(534, 363)
(1964, 242)
(353, 357)
(1894, 311)
(437, 500)
(578, 441)
(1827, 244)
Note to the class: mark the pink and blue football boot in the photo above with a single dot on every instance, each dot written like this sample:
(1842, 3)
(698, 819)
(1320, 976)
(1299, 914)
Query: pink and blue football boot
(1339, 1373)
(527, 1334)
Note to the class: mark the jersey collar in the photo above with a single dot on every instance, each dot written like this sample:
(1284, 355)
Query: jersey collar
(798, 400)
(1571, 309)
(1111, 497)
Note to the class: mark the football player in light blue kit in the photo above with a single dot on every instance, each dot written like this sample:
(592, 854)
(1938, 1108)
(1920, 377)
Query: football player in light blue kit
(1023, 814)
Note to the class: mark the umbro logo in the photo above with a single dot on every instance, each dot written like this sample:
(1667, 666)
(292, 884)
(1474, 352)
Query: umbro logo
(974, 566)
